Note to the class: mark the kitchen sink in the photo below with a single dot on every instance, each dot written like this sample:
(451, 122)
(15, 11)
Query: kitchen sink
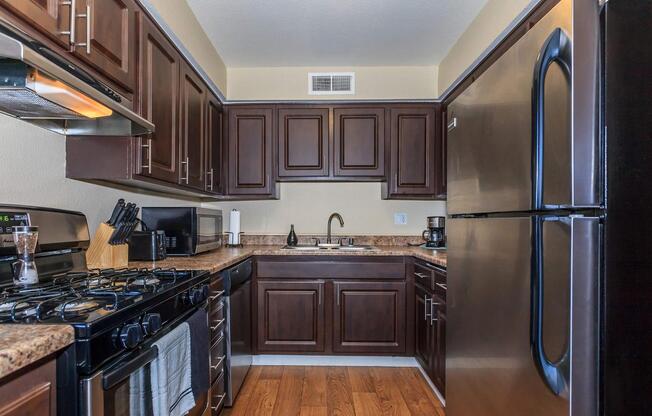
(322, 247)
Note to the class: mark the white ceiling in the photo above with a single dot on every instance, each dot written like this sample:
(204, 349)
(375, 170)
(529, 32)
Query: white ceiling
(255, 33)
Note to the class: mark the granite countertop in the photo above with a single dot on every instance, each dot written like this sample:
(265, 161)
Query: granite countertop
(22, 345)
(220, 259)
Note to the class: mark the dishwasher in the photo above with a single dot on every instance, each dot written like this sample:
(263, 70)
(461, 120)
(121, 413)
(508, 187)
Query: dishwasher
(237, 298)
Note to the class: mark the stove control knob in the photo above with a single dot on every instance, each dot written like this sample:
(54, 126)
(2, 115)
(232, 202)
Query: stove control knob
(198, 294)
(151, 323)
(131, 335)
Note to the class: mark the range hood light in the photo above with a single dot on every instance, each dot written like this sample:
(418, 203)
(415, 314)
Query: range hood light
(65, 96)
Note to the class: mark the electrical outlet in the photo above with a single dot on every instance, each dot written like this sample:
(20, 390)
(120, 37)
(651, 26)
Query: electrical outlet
(400, 218)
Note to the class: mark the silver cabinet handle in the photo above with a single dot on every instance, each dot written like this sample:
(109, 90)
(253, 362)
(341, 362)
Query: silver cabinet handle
(219, 403)
(187, 165)
(218, 324)
(452, 124)
(217, 295)
(425, 307)
(148, 146)
(420, 275)
(210, 183)
(71, 28)
(432, 312)
(88, 18)
(219, 363)
(442, 285)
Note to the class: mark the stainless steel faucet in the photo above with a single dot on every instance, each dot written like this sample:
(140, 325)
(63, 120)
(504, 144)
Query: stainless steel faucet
(330, 220)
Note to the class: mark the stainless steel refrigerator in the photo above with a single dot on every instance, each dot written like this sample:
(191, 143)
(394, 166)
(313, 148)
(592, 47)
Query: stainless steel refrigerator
(539, 146)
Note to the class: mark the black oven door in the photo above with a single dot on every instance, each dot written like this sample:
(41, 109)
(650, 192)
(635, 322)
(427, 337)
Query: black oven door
(108, 392)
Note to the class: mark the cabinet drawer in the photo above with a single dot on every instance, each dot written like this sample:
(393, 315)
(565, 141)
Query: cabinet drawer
(218, 395)
(429, 276)
(218, 357)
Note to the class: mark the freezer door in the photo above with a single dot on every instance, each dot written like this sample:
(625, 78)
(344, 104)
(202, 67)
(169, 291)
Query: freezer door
(521, 307)
(519, 137)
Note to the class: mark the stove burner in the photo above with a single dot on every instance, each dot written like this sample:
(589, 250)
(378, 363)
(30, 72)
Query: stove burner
(16, 307)
(77, 306)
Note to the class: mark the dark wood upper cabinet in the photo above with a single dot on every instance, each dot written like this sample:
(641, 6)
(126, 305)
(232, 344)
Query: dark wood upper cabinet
(250, 170)
(106, 38)
(442, 156)
(413, 161)
(192, 170)
(214, 147)
(369, 317)
(290, 316)
(159, 103)
(303, 142)
(50, 17)
(359, 142)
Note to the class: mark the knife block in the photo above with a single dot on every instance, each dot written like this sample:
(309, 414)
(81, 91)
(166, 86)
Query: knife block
(102, 255)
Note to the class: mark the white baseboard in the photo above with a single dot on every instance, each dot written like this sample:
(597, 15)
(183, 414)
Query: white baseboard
(335, 361)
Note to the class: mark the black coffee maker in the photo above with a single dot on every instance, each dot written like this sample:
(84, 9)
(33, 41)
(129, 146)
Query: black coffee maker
(434, 236)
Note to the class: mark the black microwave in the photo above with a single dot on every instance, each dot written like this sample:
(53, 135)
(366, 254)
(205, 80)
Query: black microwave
(188, 230)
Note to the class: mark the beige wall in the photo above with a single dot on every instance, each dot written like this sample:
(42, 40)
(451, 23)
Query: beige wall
(308, 206)
(291, 83)
(494, 17)
(180, 18)
(33, 170)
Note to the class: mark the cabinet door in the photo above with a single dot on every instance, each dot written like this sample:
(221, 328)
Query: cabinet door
(439, 370)
(159, 103)
(214, 149)
(290, 316)
(193, 128)
(302, 142)
(412, 138)
(369, 317)
(250, 151)
(423, 330)
(441, 157)
(51, 17)
(359, 142)
(106, 38)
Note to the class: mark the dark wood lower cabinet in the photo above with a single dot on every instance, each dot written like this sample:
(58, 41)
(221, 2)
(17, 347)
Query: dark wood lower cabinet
(34, 392)
(291, 316)
(369, 317)
(423, 333)
(439, 376)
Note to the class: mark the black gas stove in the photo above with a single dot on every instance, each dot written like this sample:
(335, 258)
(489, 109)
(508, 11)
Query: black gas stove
(117, 314)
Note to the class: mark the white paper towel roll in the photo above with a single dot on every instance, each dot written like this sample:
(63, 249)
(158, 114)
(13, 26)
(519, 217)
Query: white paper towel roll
(234, 227)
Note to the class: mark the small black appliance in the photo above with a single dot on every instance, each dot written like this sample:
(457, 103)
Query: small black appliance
(147, 245)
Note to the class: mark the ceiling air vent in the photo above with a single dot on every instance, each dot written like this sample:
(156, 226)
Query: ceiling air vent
(330, 83)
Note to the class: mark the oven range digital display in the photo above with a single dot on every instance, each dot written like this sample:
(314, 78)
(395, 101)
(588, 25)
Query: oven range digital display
(12, 219)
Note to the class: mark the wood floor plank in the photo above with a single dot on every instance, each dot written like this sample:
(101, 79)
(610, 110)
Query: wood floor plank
(314, 411)
(339, 399)
(360, 379)
(263, 398)
(242, 401)
(426, 388)
(314, 387)
(366, 404)
(288, 400)
(414, 394)
(386, 388)
(271, 372)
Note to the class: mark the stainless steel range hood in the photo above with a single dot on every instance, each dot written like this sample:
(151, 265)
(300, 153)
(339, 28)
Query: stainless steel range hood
(40, 87)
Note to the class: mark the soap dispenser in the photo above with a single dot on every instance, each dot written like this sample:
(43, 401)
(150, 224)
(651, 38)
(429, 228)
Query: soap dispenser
(292, 237)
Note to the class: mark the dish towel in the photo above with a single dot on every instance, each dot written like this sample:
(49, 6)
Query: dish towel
(140, 393)
(171, 374)
(199, 348)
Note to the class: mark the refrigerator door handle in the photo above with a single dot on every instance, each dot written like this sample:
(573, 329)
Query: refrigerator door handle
(557, 48)
(556, 375)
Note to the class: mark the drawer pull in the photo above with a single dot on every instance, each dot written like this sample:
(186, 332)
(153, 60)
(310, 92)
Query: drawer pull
(425, 307)
(219, 324)
(442, 285)
(219, 363)
(420, 275)
(219, 403)
(217, 295)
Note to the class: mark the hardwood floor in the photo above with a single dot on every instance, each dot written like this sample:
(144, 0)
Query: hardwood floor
(326, 391)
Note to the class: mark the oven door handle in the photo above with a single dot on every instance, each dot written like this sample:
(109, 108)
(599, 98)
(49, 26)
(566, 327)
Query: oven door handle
(116, 375)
